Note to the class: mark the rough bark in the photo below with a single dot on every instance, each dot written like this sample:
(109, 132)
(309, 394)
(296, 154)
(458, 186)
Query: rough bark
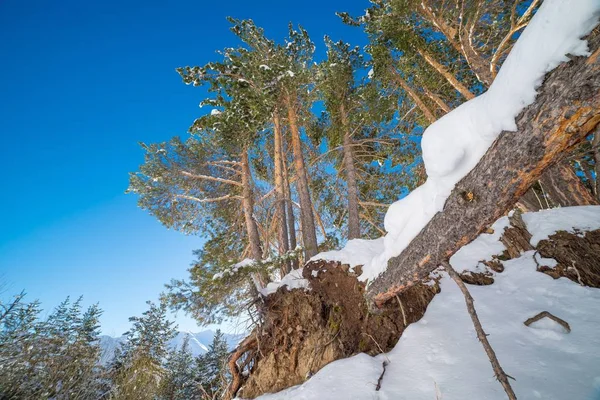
(565, 111)
(564, 188)
(351, 182)
(309, 235)
(282, 230)
(248, 209)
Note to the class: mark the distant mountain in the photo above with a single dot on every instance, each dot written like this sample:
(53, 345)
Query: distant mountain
(198, 343)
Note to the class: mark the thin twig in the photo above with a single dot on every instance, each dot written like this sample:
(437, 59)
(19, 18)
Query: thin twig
(381, 377)
(498, 371)
(402, 309)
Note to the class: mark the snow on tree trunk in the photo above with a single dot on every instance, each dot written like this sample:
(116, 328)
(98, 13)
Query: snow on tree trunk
(565, 111)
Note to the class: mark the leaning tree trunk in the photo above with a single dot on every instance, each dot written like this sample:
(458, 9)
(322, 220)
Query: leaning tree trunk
(280, 216)
(351, 182)
(565, 111)
(251, 227)
(309, 234)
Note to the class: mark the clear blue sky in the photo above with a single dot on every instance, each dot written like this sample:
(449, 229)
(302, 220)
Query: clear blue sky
(81, 82)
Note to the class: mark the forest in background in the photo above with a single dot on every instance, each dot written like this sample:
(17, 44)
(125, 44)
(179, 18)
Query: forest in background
(294, 156)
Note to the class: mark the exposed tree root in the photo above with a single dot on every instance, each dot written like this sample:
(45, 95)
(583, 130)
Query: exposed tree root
(546, 314)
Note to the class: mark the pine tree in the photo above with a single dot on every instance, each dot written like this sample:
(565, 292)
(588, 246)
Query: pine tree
(212, 367)
(54, 358)
(181, 375)
(137, 369)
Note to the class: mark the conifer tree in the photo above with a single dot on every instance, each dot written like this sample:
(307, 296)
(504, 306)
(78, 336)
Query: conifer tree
(53, 358)
(180, 381)
(138, 365)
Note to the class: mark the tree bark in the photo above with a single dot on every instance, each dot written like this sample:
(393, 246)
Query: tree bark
(282, 230)
(564, 188)
(251, 227)
(291, 220)
(309, 235)
(566, 110)
(351, 182)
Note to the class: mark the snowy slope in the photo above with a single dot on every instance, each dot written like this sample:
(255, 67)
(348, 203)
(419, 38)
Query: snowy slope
(441, 354)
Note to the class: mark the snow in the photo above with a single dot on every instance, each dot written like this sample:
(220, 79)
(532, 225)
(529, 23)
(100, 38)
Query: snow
(442, 353)
(480, 249)
(214, 111)
(233, 269)
(455, 143)
(371, 73)
(293, 280)
(547, 222)
(356, 252)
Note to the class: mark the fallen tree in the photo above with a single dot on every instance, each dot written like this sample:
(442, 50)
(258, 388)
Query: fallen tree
(565, 112)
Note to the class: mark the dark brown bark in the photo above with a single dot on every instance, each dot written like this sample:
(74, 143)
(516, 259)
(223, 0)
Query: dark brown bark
(564, 188)
(282, 230)
(565, 111)
(351, 181)
(516, 237)
(531, 201)
(309, 234)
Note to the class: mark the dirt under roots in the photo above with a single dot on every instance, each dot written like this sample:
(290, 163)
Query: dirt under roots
(305, 330)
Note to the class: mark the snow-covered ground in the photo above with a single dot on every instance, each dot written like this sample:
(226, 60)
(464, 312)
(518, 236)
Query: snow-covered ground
(441, 356)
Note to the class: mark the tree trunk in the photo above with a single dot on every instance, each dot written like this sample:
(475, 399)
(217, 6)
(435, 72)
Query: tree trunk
(566, 110)
(251, 227)
(282, 230)
(351, 183)
(291, 221)
(438, 100)
(564, 188)
(309, 235)
(413, 95)
(462, 89)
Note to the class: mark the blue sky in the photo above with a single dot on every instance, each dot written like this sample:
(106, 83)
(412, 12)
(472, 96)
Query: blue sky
(82, 82)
